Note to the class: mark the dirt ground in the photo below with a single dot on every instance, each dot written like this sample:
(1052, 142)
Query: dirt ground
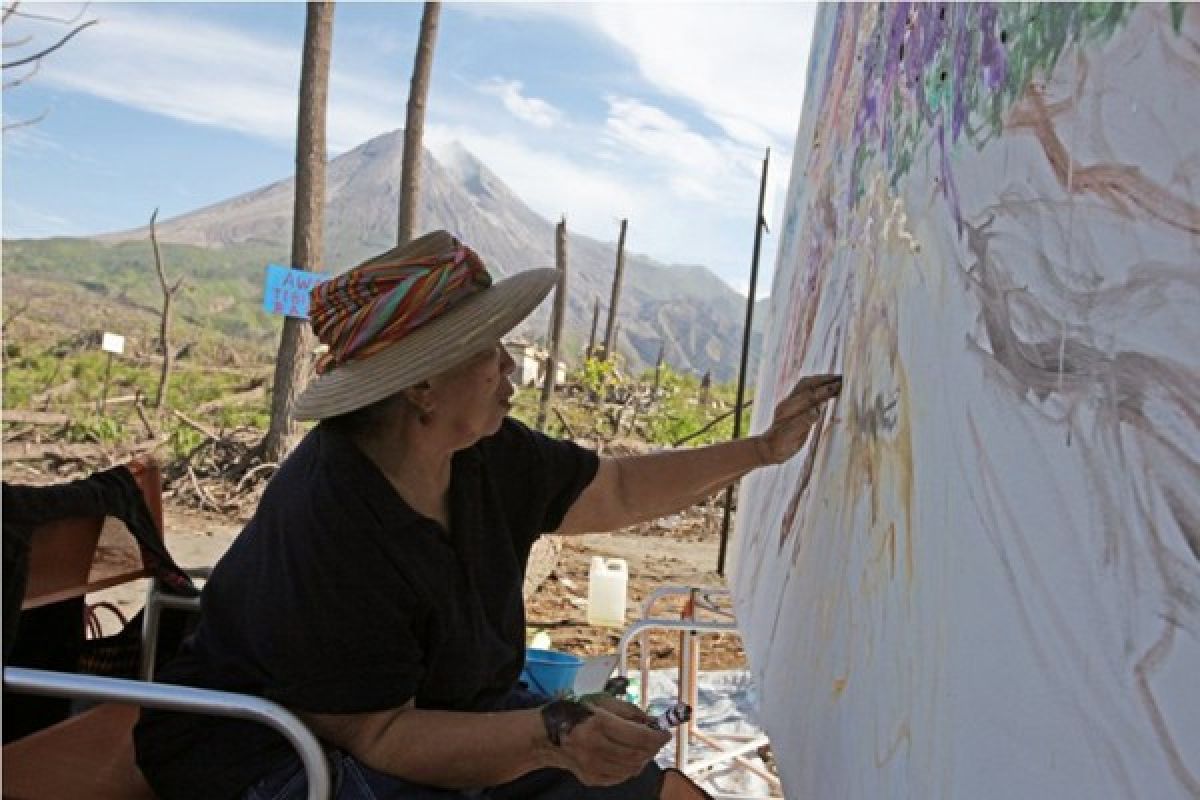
(680, 550)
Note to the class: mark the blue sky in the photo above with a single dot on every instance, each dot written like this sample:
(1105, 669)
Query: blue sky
(657, 112)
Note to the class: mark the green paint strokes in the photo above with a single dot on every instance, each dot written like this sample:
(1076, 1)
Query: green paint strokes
(955, 70)
(1177, 10)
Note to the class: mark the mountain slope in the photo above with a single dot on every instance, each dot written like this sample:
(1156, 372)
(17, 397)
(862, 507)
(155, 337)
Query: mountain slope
(689, 308)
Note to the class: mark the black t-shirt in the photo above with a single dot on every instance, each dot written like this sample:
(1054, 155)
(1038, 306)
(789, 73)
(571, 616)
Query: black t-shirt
(338, 598)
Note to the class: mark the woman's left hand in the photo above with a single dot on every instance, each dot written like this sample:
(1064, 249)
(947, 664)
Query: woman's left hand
(615, 705)
(795, 416)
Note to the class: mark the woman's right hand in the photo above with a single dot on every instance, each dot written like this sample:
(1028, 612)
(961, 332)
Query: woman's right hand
(607, 749)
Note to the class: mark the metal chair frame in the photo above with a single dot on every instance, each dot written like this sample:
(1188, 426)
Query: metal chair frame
(690, 628)
(182, 698)
(168, 696)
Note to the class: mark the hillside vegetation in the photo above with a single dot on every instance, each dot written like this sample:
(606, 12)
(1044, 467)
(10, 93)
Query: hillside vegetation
(59, 417)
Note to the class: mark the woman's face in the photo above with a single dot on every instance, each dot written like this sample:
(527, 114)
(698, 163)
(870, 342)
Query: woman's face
(471, 400)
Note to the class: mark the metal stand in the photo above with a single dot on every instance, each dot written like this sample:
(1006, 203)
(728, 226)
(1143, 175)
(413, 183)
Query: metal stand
(720, 619)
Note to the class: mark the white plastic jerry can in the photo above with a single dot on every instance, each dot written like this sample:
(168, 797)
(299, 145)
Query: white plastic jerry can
(608, 580)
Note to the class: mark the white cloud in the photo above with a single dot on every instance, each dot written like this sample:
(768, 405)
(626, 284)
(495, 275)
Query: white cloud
(534, 110)
(669, 220)
(32, 140)
(24, 221)
(655, 133)
(694, 166)
(550, 183)
(210, 74)
(183, 68)
(743, 64)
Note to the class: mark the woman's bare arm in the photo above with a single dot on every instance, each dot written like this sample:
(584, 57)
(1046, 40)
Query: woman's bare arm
(633, 489)
(461, 750)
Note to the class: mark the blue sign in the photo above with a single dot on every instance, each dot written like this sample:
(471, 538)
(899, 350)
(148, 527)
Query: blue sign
(287, 290)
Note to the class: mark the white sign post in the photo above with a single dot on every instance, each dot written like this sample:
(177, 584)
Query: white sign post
(110, 343)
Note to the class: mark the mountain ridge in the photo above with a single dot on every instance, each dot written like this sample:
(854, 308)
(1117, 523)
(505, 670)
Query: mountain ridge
(687, 307)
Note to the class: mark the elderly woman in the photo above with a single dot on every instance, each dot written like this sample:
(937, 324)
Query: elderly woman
(377, 590)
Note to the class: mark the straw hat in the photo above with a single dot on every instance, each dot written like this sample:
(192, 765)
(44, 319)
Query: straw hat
(409, 320)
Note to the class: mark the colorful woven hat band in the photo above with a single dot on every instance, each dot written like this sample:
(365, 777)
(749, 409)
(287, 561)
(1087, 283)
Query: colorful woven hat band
(365, 309)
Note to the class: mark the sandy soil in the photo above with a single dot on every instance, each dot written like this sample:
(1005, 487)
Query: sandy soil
(678, 551)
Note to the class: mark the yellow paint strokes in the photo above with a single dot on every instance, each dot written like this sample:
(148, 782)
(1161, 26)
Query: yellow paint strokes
(896, 223)
(876, 435)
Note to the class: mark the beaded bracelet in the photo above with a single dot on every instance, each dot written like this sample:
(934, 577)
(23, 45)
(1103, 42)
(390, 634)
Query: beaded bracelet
(560, 718)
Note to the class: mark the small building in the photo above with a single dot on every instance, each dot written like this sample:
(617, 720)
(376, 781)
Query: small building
(531, 361)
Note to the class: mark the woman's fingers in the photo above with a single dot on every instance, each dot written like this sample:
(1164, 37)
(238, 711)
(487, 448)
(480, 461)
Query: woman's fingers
(808, 397)
(608, 749)
(809, 392)
(797, 413)
(620, 708)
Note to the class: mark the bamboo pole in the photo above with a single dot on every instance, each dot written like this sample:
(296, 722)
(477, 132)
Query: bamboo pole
(759, 225)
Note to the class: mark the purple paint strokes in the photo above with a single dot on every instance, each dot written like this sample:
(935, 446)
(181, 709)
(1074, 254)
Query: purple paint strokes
(992, 58)
(959, 74)
(893, 58)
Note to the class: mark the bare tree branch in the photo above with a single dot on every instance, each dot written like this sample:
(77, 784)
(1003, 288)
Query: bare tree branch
(48, 50)
(164, 329)
(11, 10)
(18, 81)
(710, 425)
(8, 126)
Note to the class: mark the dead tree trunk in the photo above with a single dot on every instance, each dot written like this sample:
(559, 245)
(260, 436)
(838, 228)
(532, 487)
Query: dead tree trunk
(291, 363)
(414, 124)
(560, 309)
(610, 329)
(662, 351)
(164, 325)
(591, 348)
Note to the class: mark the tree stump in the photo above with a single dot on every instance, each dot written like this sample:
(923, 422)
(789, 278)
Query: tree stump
(543, 558)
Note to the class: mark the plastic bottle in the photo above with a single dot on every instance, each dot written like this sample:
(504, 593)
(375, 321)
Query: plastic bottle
(633, 692)
(608, 580)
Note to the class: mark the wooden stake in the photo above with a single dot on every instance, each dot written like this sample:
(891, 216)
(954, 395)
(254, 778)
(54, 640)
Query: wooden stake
(104, 391)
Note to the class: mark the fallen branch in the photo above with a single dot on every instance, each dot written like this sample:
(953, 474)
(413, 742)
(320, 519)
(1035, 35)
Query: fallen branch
(709, 426)
(251, 473)
(18, 432)
(111, 401)
(562, 421)
(191, 423)
(84, 451)
(44, 397)
(200, 493)
(34, 417)
(241, 398)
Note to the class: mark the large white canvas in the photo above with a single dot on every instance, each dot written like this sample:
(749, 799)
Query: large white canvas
(981, 577)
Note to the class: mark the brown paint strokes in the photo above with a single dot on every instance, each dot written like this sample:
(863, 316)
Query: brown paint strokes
(1110, 181)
